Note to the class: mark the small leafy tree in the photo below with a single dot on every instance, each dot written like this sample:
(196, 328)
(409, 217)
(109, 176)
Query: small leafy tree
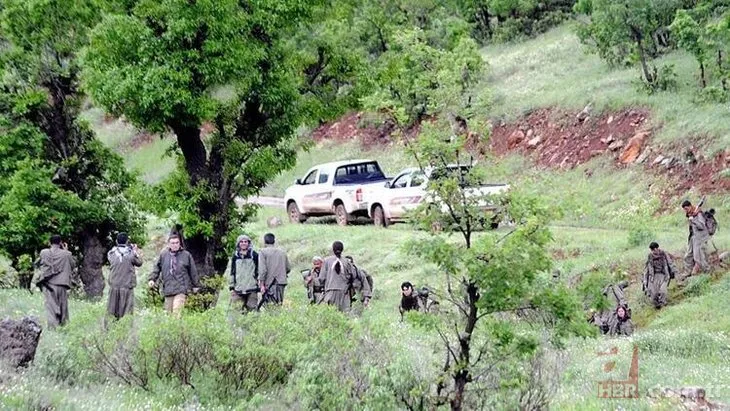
(623, 31)
(688, 33)
(55, 177)
(486, 278)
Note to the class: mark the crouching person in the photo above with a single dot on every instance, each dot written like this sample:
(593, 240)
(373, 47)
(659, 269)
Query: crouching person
(123, 260)
(243, 275)
(176, 268)
(620, 322)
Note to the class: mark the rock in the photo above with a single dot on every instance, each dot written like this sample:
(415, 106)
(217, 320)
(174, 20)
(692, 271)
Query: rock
(616, 145)
(515, 139)
(633, 148)
(534, 142)
(19, 340)
(608, 140)
(667, 162)
(658, 160)
(610, 120)
(530, 132)
(585, 113)
(272, 222)
(642, 158)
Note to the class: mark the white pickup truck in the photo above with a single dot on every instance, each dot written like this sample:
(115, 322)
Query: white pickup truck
(338, 188)
(407, 190)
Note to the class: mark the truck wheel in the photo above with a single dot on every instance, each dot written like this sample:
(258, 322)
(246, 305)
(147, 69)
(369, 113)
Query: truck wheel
(341, 215)
(294, 215)
(379, 217)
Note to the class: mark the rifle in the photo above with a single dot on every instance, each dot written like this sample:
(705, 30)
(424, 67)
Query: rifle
(268, 295)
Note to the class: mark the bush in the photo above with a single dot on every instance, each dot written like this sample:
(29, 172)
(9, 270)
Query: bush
(640, 234)
(663, 80)
(696, 286)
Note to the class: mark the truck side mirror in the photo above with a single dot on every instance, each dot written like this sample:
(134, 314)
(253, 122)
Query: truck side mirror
(298, 181)
(387, 184)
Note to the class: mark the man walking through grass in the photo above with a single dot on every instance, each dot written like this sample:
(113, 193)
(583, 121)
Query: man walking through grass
(179, 275)
(56, 266)
(274, 268)
(123, 260)
(657, 273)
(695, 261)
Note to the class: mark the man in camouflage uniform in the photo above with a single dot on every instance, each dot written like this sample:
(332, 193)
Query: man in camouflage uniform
(695, 261)
(315, 289)
(274, 270)
(657, 273)
(361, 284)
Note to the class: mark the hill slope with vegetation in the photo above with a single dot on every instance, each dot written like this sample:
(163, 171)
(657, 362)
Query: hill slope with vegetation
(560, 99)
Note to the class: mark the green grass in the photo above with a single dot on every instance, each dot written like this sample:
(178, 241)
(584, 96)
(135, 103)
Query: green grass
(150, 159)
(683, 344)
(555, 70)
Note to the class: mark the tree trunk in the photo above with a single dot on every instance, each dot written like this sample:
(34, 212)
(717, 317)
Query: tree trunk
(462, 376)
(93, 258)
(702, 74)
(642, 56)
(722, 74)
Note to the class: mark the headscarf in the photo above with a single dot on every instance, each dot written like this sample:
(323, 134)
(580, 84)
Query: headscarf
(250, 245)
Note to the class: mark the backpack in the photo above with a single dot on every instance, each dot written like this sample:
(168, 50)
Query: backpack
(710, 221)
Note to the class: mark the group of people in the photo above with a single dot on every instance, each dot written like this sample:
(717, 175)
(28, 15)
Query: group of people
(256, 278)
(658, 272)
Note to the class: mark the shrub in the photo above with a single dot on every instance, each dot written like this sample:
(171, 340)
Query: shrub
(640, 234)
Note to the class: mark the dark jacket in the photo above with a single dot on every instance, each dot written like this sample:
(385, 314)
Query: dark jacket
(182, 280)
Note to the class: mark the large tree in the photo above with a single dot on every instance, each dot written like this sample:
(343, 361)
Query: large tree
(55, 177)
(175, 65)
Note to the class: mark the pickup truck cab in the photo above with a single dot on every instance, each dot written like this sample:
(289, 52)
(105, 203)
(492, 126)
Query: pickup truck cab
(338, 188)
(408, 189)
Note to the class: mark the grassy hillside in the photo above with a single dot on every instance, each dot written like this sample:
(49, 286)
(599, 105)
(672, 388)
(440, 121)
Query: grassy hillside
(684, 344)
(609, 216)
(555, 70)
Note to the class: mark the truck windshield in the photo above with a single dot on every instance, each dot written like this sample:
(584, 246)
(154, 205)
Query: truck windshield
(359, 173)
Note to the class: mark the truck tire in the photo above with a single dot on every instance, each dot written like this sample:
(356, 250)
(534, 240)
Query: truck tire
(341, 215)
(379, 217)
(295, 216)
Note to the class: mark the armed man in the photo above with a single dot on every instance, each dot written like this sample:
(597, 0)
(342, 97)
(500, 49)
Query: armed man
(243, 275)
(56, 266)
(657, 273)
(315, 289)
(695, 261)
(123, 260)
(274, 268)
(361, 284)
